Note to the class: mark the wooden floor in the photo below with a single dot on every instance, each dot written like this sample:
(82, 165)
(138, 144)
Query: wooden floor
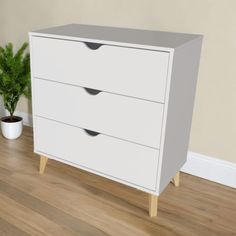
(66, 201)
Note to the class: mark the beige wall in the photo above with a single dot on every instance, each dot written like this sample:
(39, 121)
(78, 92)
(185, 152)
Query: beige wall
(214, 123)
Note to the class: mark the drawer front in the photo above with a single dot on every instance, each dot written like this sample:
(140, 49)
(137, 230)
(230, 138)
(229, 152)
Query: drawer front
(133, 72)
(106, 155)
(123, 117)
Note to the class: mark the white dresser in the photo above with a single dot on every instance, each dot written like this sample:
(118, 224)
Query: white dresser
(115, 102)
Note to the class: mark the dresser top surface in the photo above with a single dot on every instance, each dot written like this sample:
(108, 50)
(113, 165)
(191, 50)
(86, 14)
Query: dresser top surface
(122, 35)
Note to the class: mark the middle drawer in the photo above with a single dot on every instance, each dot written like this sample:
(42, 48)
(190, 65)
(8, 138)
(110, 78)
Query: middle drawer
(123, 117)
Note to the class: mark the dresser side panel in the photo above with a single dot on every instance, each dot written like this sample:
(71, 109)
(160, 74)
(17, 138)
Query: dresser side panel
(179, 112)
(32, 85)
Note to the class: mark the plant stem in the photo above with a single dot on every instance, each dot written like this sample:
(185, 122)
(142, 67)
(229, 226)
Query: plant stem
(11, 116)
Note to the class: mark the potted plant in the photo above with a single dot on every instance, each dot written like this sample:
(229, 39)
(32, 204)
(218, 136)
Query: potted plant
(14, 82)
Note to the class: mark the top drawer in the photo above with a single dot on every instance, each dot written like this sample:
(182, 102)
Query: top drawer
(128, 71)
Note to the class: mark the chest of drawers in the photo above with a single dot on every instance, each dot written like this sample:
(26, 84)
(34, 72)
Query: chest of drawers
(115, 102)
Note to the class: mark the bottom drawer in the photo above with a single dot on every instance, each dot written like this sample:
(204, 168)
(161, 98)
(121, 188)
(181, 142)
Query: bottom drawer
(105, 155)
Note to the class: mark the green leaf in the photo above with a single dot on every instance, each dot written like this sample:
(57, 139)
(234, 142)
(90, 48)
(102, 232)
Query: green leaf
(14, 75)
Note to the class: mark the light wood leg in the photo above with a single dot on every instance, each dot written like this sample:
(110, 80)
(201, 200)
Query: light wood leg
(153, 204)
(176, 180)
(43, 162)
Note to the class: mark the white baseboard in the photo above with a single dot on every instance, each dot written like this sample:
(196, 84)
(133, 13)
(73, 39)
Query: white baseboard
(213, 169)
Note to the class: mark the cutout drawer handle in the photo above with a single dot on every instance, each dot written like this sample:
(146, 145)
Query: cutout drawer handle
(92, 91)
(93, 46)
(91, 133)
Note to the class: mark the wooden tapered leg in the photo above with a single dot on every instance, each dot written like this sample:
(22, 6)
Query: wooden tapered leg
(176, 180)
(153, 204)
(43, 162)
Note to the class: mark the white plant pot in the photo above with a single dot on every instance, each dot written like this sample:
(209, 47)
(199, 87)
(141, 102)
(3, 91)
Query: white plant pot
(12, 130)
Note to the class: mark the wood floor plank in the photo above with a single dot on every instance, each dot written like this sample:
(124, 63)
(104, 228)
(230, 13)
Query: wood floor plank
(48, 211)
(98, 210)
(4, 172)
(30, 221)
(7, 229)
(71, 202)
